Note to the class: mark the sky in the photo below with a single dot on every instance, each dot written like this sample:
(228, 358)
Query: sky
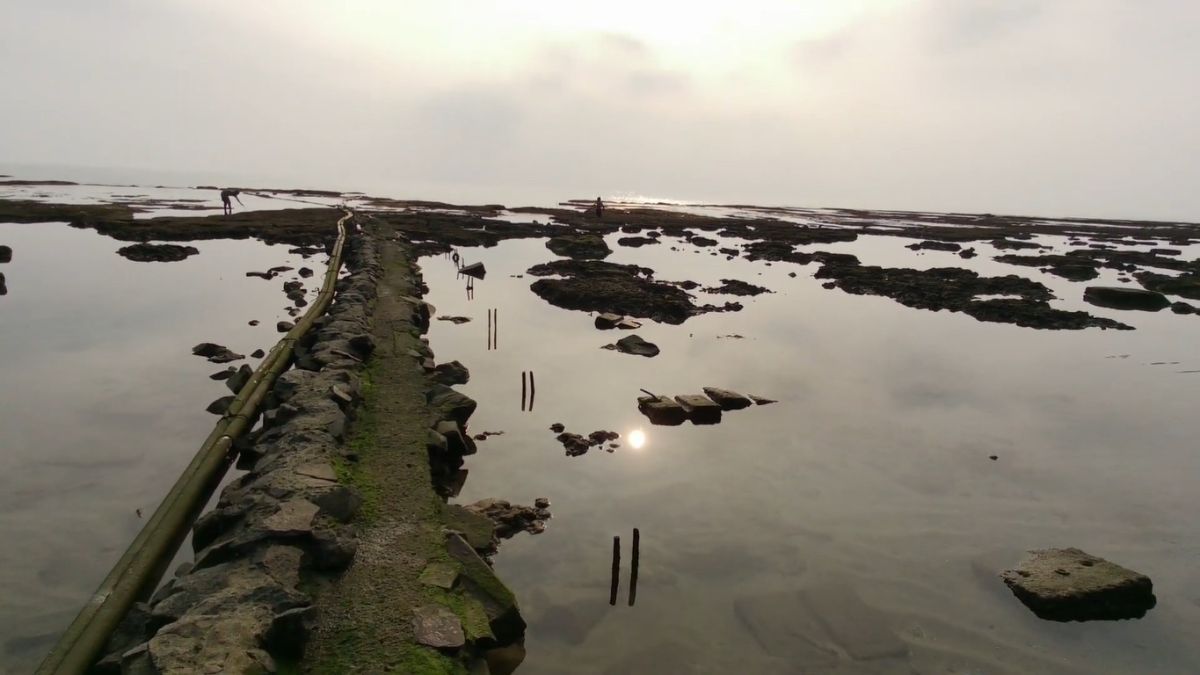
(1037, 107)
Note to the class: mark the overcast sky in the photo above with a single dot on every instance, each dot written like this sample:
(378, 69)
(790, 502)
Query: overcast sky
(1050, 107)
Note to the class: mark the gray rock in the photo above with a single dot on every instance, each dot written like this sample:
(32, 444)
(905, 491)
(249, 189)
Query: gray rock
(253, 322)
(257, 354)
(305, 272)
(451, 373)
(476, 270)
(1070, 585)
(6, 254)
(220, 406)
(239, 378)
(436, 626)
(450, 403)
(759, 400)
(699, 408)
(728, 400)
(634, 344)
(1116, 297)
(662, 410)
(289, 631)
(223, 374)
(606, 320)
(284, 326)
(216, 353)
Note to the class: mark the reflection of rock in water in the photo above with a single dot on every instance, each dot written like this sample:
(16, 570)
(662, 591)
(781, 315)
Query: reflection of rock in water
(157, 252)
(1070, 585)
(1117, 297)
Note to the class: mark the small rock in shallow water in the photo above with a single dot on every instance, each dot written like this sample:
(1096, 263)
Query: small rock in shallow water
(284, 326)
(254, 322)
(699, 408)
(728, 400)
(633, 344)
(223, 374)
(476, 270)
(759, 400)
(6, 254)
(305, 272)
(257, 354)
(1070, 585)
(574, 444)
(454, 319)
(541, 503)
(606, 320)
(219, 406)
(661, 410)
(557, 427)
(216, 353)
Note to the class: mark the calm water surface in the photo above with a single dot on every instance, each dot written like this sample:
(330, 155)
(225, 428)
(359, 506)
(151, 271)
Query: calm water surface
(871, 476)
(102, 403)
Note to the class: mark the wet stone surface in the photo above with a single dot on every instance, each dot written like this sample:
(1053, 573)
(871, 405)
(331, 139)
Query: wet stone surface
(1070, 585)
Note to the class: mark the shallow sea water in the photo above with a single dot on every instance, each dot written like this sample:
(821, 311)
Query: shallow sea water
(868, 484)
(102, 402)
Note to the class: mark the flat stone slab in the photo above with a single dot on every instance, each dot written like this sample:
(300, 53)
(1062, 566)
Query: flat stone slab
(320, 471)
(1070, 585)
(293, 517)
(700, 409)
(1118, 297)
(436, 626)
(442, 575)
(728, 400)
(662, 410)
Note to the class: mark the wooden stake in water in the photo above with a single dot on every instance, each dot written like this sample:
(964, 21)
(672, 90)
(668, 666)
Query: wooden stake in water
(532, 391)
(489, 335)
(633, 574)
(616, 572)
(522, 391)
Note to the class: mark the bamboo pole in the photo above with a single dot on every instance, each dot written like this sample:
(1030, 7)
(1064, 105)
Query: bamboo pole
(143, 563)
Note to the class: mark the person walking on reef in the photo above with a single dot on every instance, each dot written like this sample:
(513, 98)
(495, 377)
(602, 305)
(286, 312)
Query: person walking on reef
(599, 208)
(225, 195)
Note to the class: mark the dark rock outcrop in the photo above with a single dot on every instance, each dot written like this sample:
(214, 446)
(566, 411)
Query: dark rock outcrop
(579, 246)
(736, 287)
(633, 344)
(627, 290)
(216, 353)
(1119, 297)
(157, 252)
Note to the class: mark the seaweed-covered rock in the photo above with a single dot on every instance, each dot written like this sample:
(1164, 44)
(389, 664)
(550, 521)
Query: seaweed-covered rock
(596, 286)
(1070, 585)
(157, 252)
(579, 246)
(737, 287)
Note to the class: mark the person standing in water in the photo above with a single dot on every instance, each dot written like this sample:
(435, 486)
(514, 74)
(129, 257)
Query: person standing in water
(599, 208)
(225, 195)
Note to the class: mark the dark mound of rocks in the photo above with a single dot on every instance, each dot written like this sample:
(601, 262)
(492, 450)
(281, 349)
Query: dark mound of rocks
(157, 252)
(955, 289)
(510, 518)
(1119, 297)
(1184, 285)
(627, 290)
(579, 246)
(1070, 585)
(577, 445)
(935, 246)
(635, 242)
(1074, 268)
(736, 287)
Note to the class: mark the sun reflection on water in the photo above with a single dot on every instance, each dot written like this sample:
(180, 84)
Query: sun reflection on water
(637, 439)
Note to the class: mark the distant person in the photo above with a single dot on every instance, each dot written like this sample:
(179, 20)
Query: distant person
(225, 195)
(599, 208)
